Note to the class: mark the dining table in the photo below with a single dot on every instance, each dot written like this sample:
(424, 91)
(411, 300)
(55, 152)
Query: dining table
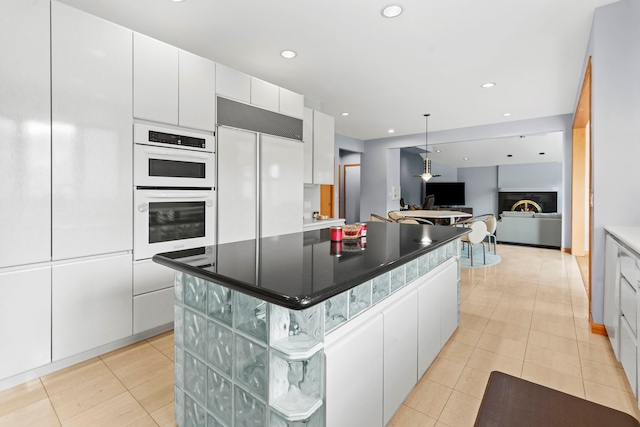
(452, 215)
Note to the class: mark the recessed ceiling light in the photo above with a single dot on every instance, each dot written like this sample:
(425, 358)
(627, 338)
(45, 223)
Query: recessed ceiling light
(487, 85)
(542, 154)
(391, 130)
(391, 11)
(466, 158)
(288, 54)
(344, 114)
(506, 114)
(509, 155)
(177, 1)
(438, 151)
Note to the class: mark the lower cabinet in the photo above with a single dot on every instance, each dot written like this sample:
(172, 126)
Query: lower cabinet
(354, 382)
(400, 352)
(374, 361)
(25, 316)
(152, 309)
(628, 354)
(91, 300)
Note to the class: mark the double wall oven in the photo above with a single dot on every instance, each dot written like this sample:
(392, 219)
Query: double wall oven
(174, 197)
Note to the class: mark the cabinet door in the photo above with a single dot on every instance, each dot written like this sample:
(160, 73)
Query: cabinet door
(307, 137)
(233, 84)
(264, 94)
(628, 355)
(237, 185)
(155, 80)
(281, 189)
(25, 133)
(447, 282)
(323, 147)
(400, 352)
(25, 316)
(428, 325)
(197, 92)
(291, 103)
(91, 138)
(91, 304)
(354, 383)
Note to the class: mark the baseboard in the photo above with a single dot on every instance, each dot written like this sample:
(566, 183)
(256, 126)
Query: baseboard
(598, 329)
(566, 250)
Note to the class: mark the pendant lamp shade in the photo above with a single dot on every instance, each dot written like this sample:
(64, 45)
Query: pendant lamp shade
(426, 175)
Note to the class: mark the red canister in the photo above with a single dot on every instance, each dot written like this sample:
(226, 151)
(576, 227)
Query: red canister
(336, 234)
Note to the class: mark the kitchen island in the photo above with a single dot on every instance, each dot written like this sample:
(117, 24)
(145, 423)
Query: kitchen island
(268, 331)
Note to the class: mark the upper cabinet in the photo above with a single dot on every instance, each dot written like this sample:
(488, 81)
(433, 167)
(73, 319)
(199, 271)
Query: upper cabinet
(91, 135)
(319, 142)
(242, 87)
(25, 133)
(172, 86)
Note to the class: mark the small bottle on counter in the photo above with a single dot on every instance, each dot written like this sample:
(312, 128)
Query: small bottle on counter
(336, 234)
(363, 228)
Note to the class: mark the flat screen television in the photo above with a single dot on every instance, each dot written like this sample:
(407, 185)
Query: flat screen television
(446, 193)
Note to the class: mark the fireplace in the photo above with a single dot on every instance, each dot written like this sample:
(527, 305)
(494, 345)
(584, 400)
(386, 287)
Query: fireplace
(528, 201)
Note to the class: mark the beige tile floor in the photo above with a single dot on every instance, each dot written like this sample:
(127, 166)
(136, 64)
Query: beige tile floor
(526, 316)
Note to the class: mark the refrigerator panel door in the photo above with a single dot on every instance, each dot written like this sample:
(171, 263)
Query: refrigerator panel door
(237, 185)
(281, 172)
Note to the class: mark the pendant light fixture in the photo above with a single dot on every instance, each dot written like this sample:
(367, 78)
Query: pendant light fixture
(426, 175)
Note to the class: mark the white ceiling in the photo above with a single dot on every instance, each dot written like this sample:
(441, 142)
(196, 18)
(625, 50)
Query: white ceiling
(498, 151)
(387, 72)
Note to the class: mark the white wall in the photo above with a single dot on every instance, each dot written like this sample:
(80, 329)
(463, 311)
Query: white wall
(533, 177)
(615, 110)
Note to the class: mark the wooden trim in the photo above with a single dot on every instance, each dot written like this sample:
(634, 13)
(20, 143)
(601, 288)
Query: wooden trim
(598, 329)
(566, 250)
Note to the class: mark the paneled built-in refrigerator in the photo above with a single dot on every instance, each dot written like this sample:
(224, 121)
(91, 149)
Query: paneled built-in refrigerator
(260, 182)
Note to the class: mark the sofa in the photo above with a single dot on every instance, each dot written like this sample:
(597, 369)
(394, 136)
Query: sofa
(541, 229)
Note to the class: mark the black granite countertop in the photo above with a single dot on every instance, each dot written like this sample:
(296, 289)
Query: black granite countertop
(300, 270)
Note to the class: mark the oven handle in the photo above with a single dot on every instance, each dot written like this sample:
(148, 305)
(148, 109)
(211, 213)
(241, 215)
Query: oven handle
(179, 195)
(172, 153)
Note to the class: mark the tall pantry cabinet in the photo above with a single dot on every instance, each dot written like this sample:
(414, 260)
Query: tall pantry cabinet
(25, 183)
(92, 181)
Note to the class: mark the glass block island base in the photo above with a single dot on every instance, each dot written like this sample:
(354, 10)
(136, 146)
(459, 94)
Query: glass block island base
(242, 361)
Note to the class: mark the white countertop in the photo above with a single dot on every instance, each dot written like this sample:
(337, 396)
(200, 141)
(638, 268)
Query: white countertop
(627, 234)
(317, 224)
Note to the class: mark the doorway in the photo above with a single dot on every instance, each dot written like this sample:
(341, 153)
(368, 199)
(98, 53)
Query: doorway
(351, 193)
(581, 191)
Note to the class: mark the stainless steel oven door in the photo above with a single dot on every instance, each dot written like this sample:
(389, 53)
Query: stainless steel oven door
(172, 167)
(169, 220)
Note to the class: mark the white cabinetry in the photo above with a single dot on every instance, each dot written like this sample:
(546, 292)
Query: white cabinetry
(374, 361)
(91, 135)
(265, 94)
(400, 352)
(242, 87)
(91, 304)
(291, 103)
(25, 133)
(233, 84)
(354, 376)
(172, 86)
(319, 141)
(25, 316)
(622, 299)
(152, 295)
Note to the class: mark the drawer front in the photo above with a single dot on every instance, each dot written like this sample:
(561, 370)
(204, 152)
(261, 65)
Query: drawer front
(628, 355)
(152, 309)
(149, 276)
(628, 267)
(629, 304)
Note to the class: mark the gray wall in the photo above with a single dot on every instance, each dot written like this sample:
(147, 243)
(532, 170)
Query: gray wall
(533, 177)
(481, 189)
(411, 164)
(615, 109)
